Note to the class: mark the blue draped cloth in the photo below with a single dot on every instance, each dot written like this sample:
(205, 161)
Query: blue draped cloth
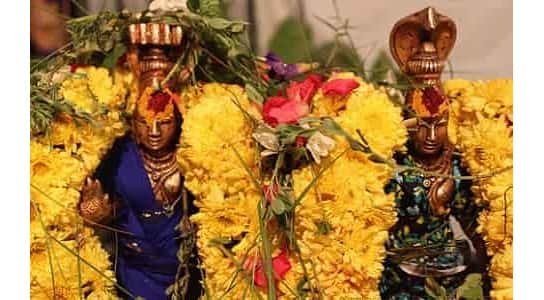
(146, 263)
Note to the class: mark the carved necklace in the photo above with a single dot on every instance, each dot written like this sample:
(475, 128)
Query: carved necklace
(442, 166)
(163, 173)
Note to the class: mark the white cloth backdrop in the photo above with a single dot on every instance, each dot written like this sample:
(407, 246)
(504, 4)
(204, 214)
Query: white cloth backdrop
(483, 49)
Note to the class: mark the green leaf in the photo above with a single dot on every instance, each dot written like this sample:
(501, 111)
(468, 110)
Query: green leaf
(219, 23)
(253, 93)
(220, 241)
(277, 205)
(210, 8)
(302, 287)
(380, 68)
(112, 57)
(323, 227)
(237, 27)
(338, 54)
(471, 289)
(292, 41)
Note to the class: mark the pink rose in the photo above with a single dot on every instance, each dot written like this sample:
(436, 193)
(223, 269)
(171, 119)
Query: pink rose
(288, 110)
(339, 87)
(279, 110)
(303, 91)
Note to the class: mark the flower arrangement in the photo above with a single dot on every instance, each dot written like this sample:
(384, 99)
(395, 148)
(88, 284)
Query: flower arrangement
(67, 259)
(481, 126)
(290, 203)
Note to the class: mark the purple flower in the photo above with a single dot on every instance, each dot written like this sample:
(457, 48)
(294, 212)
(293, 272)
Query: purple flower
(280, 70)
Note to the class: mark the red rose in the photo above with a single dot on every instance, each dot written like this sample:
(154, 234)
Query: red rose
(432, 99)
(279, 110)
(158, 102)
(300, 141)
(303, 91)
(339, 87)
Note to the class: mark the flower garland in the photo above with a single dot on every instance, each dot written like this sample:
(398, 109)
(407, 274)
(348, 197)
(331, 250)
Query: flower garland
(481, 122)
(226, 198)
(350, 198)
(341, 225)
(59, 163)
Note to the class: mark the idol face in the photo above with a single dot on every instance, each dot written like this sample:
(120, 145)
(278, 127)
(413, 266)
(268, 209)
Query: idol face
(430, 136)
(157, 136)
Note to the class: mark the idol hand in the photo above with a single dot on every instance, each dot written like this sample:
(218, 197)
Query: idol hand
(95, 205)
(441, 194)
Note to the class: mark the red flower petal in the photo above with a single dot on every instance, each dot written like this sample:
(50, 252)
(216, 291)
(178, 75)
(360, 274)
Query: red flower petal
(281, 265)
(74, 67)
(300, 141)
(259, 278)
(339, 87)
(270, 192)
(304, 91)
(279, 110)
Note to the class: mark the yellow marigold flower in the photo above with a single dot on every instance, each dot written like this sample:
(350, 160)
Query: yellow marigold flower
(486, 145)
(101, 84)
(65, 270)
(57, 174)
(214, 154)
(456, 87)
(501, 272)
(378, 119)
(90, 87)
(480, 114)
(499, 96)
(76, 90)
(349, 197)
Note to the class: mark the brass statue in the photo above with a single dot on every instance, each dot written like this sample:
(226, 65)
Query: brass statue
(139, 187)
(433, 242)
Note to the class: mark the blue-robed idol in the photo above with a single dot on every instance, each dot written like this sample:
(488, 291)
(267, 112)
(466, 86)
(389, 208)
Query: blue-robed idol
(139, 191)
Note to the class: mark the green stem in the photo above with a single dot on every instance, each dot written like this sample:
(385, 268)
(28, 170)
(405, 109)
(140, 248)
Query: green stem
(48, 243)
(239, 267)
(316, 178)
(262, 213)
(79, 281)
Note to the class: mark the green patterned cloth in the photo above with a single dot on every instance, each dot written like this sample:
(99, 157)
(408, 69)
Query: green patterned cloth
(424, 243)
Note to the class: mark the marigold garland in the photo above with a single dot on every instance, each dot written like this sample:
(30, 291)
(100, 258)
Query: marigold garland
(225, 195)
(481, 121)
(349, 197)
(59, 163)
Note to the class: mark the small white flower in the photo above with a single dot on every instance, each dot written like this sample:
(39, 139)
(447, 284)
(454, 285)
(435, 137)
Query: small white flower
(266, 136)
(319, 146)
(60, 75)
(168, 5)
